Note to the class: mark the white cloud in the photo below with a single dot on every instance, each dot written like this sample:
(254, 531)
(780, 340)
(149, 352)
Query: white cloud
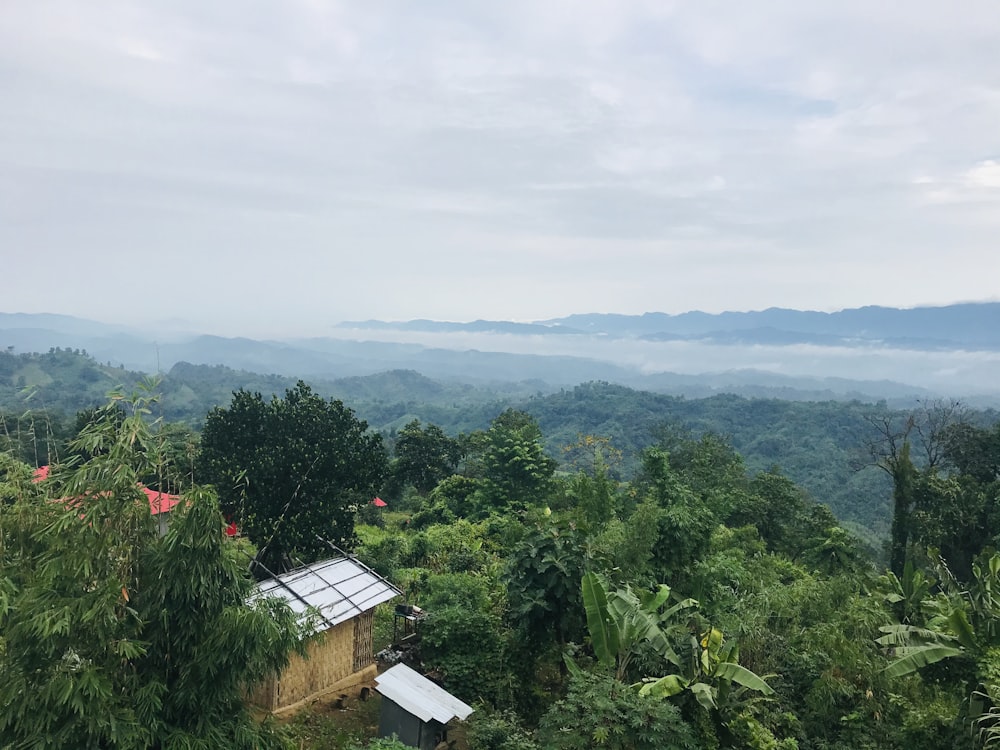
(986, 175)
(605, 154)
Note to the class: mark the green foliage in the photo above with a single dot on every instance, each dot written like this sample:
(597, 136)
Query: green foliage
(622, 620)
(686, 522)
(964, 620)
(114, 636)
(814, 634)
(906, 596)
(543, 583)
(424, 456)
(383, 550)
(381, 743)
(629, 545)
(599, 711)
(464, 646)
(834, 552)
(957, 515)
(497, 730)
(516, 471)
(291, 471)
(455, 493)
(748, 732)
(712, 675)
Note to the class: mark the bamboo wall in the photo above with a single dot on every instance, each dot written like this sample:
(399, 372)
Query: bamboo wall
(333, 657)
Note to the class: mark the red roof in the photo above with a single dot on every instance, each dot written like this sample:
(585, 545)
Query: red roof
(379, 502)
(159, 502)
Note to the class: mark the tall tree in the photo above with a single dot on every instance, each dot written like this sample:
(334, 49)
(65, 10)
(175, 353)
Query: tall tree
(890, 445)
(424, 456)
(291, 472)
(543, 583)
(517, 471)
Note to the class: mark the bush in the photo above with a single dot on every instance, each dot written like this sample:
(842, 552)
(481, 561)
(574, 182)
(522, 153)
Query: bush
(600, 711)
(497, 730)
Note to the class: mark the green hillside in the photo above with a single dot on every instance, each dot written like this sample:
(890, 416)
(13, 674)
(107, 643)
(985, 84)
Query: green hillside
(820, 445)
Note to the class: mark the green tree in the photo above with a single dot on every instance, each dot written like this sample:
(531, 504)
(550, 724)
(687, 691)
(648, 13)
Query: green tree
(973, 451)
(896, 443)
(424, 456)
(113, 636)
(595, 497)
(517, 471)
(291, 471)
(543, 584)
(685, 523)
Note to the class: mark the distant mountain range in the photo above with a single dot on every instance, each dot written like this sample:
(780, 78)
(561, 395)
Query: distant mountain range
(868, 353)
(973, 325)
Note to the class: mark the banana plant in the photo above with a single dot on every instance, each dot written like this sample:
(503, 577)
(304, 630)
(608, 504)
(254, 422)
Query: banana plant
(964, 620)
(622, 620)
(907, 596)
(710, 675)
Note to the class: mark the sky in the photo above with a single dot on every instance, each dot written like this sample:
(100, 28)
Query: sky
(264, 167)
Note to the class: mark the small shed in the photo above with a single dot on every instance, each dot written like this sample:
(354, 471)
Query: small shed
(415, 709)
(340, 595)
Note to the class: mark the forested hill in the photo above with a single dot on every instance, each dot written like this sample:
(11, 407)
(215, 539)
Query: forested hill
(818, 444)
(869, 353)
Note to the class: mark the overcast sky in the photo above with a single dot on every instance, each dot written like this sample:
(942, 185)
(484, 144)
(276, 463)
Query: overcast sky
(266, 166)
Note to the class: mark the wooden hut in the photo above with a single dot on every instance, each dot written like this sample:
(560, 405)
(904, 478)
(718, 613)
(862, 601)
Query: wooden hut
(340, 596)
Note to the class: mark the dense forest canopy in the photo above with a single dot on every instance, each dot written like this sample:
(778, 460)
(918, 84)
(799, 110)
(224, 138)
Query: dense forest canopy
(821, 445)
(672, 596)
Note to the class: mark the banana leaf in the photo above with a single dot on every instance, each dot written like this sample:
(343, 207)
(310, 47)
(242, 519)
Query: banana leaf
(604, 635)
(733, 672)
(912, 658)
(664, 687)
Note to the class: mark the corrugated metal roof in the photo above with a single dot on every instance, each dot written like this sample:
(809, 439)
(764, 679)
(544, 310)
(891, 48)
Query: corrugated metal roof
(338, 589)
(419, 696)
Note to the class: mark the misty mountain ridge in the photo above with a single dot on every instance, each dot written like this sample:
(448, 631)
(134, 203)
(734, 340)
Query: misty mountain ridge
(867, 353)
(969, 325)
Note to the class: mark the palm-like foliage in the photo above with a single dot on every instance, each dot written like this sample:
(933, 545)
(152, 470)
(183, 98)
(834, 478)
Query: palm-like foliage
(961, 620)
(710, 674)
(622, 620)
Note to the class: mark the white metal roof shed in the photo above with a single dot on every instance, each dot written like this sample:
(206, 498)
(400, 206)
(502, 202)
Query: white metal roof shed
(337, 589)
(419, 696)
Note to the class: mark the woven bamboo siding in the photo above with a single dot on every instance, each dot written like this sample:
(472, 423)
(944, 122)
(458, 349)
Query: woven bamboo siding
(263, 694)
(363, 651)
(331, 658)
